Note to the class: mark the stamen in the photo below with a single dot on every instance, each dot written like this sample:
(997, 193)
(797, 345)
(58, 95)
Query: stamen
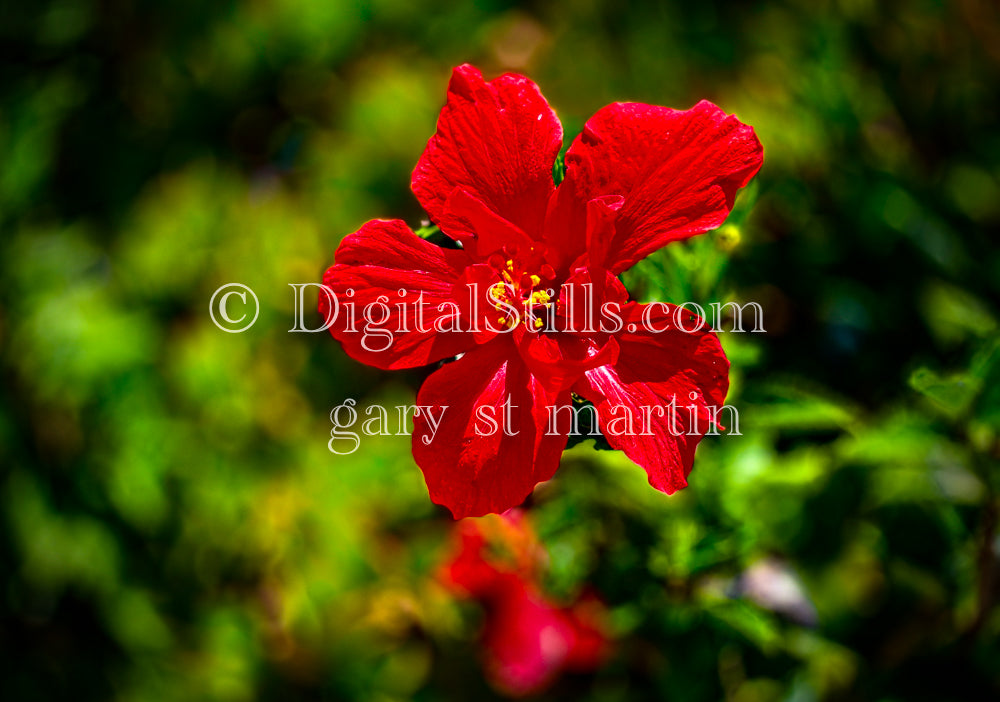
(540, 297)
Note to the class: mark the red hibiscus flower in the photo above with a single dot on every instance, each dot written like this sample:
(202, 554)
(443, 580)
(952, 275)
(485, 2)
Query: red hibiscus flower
(529, 301)
(527, 640)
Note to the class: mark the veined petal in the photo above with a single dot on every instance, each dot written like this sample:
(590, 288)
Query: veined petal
(473, 460)
(677, 172)
(671, 384)
(497, 141)
(410, 285)
(480, 229)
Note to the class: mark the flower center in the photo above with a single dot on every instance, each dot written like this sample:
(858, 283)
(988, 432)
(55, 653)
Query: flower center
(528, 292)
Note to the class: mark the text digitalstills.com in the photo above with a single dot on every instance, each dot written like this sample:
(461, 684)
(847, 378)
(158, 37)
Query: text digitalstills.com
(382, 319)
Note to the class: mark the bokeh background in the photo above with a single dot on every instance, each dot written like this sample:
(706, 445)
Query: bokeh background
(173, 525)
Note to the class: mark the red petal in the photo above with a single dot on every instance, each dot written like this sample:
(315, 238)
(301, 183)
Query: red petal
(485, 550)
(677, 170)
(591, 646)
(565, 248)
(588, 299)
(560, 361)
(468, 572)
(379, 260)
(471, 467)
(528, 641)
(481, 230)
(496, 140)
(654, 368)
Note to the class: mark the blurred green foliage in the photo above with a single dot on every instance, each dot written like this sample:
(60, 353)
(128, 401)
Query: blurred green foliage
(174, 527)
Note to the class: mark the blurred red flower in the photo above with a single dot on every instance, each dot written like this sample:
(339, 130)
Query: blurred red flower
(527, 640)
(636, 178)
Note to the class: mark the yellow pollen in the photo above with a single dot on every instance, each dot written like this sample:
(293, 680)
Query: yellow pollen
(498, 292)
(538, 322)
(535, 280)
(540, 297)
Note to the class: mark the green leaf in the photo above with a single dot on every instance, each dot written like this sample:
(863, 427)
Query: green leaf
(954, 314)
(559, 169)
(953, 393)
(431, 230)
(587, 428)
(986, 366)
